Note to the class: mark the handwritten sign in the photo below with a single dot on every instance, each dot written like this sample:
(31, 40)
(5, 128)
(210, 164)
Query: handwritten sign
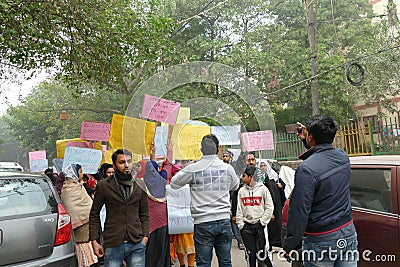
(160, 109)
(160, 141)
(57, 163)
(183, 115)
(38, 165)
(34, 155)
(187, 139)
(261, 140)
(227, 135)
(132, 134)
(89, 159)
(178, 205)
(95, 131)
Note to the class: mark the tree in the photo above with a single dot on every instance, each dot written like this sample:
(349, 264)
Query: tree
(36, 124)
(107, 43)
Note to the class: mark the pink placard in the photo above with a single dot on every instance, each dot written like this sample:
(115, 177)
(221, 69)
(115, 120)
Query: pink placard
(36, 155)
(80, 144)
(95, 131)
(104, 148)
(261, 140)
(160, 109)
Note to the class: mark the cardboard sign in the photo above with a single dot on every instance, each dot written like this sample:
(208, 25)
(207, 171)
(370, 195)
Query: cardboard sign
(96, 131)
(186, 139)
(178, 205)
(227, 135)
(160, 109)
(183, 115)
(160, 141)
(38, 165)
(89, 159)
(35, 155)
(132, 134)
(260, 140)
(58, 163)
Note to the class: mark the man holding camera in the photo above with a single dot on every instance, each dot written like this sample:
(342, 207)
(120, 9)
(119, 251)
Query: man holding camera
(320, 209)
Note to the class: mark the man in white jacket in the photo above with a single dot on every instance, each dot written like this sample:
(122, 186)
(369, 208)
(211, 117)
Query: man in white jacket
(254, 211)
(210, 180)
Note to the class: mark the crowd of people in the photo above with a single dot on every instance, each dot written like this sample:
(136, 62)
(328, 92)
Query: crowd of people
(119, 215)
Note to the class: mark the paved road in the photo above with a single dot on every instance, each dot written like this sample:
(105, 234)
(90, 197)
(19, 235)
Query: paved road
(238, 259)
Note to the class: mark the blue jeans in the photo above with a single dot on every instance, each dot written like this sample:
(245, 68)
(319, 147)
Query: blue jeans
(132, 253)
(209, 235)
(338, 249)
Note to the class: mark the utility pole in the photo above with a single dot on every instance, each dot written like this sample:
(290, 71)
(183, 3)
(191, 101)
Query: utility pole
(313, 55)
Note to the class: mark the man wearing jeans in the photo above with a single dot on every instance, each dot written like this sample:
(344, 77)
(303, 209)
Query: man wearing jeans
(126, 229)
(320, 209)
(210, 180)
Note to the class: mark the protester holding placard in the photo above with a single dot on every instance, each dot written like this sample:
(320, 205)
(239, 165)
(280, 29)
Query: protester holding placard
(157, 251)
(210, 181)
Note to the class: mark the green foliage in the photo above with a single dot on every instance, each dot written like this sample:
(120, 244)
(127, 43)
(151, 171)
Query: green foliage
(98, 42)
(36, 123)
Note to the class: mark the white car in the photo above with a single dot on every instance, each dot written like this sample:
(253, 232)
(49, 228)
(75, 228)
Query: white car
(6, 166)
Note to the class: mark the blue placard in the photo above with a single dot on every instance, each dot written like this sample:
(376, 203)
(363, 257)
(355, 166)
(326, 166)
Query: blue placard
(89, 159)
(227, 135)
(179, 216)
(38, 165)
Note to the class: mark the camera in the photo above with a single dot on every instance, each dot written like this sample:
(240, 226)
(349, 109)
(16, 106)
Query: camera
(299, 130)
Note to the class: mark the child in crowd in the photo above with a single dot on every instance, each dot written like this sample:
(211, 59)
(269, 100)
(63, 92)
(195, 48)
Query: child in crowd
(254, 211)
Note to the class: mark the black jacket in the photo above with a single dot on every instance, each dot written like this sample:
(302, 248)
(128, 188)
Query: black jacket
(321, 196)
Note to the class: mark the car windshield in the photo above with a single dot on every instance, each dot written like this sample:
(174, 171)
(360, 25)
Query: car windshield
(21, 196)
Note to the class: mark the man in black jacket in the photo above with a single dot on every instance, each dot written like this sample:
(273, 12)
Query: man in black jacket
(320, 209)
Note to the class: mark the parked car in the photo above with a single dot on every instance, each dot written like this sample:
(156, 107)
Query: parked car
(35, 229)
(374, 192)
(6, 166)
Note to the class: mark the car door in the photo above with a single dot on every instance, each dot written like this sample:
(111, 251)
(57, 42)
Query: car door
(28, 219)
(373, 192)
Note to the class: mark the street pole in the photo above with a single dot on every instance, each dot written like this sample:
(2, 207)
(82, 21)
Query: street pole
(313, 55)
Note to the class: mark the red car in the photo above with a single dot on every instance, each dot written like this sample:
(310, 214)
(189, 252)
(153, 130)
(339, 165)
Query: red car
(375, 195)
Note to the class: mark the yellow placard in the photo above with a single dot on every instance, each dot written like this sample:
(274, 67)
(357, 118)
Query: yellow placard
(183, 115)
(186, 139)
(62, 144)
(108, 159)
(133, 134)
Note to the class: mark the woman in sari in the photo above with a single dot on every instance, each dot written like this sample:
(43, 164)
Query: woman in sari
(78, 204)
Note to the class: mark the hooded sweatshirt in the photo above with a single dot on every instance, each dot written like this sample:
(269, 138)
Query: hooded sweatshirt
(254, 204)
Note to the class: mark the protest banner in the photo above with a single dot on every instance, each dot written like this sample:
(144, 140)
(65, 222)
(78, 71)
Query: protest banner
(227, 135)
(58, 163)
(160, 109)
(34, 155)
(183, 115)
(260, 140)
(133, 134)
(38, 165)
(89, 159)
(186, 139)
(178, 206)
(95, 131)
(160, 141)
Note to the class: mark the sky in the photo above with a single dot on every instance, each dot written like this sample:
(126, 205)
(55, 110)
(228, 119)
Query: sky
(12, 91)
